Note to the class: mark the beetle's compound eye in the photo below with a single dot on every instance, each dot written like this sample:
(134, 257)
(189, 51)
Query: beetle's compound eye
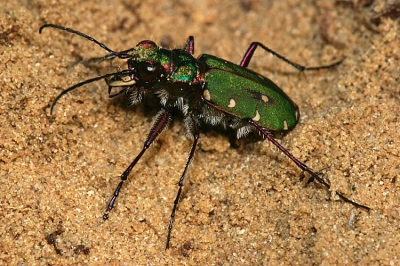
(151, 68)
(148, 71)
(145, 50)
(146, 45)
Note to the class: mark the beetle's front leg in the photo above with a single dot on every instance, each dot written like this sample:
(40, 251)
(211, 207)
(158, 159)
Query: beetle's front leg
(162, 121)
(189, 46)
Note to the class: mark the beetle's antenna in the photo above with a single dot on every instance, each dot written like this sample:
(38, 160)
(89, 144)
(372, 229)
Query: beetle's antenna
(122, 55)
(80, 84)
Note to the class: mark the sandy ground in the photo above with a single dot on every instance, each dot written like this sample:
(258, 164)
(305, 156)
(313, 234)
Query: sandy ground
(244, 205)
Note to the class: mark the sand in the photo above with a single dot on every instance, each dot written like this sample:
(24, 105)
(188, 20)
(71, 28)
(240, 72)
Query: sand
(244, 204)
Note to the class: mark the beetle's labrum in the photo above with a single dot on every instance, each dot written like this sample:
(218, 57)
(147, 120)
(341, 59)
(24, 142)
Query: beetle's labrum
(207, 91)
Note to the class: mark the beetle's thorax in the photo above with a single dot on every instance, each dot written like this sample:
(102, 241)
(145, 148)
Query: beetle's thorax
(173, 76)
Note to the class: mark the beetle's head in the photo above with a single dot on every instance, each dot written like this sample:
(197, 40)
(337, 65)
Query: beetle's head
(147, 64)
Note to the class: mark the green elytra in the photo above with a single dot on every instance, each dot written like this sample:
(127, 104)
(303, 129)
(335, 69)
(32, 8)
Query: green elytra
(246, 94)
(206, 90)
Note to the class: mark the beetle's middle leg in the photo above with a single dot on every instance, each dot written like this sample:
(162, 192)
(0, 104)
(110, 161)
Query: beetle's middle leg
(181, 183)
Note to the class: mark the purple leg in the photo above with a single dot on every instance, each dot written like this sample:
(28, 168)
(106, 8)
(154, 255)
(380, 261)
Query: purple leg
(162, 120)
(181, 183)
(302, 166)
(253, 46)
(189, 46)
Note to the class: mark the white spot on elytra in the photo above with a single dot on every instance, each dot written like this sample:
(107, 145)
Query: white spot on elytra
(264, 98)
(206, 95)
(285, 126)
(232, 103)
(257, 117)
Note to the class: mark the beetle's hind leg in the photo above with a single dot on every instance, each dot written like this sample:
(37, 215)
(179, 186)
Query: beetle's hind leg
(304, 167)
(253, 46)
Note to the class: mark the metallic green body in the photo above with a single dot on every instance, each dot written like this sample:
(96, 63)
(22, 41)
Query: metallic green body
(207, 91)
(245, 94)
(188, 83)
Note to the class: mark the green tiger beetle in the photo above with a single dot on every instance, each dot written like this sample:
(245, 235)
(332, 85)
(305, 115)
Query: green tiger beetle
(207, 91)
